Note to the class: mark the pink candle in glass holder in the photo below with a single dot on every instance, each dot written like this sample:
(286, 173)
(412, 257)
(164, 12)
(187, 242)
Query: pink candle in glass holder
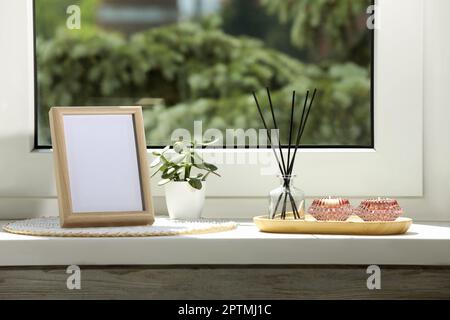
(330, 209)
(380, 209)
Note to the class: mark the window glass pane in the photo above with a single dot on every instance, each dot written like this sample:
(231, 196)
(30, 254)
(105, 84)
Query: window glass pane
(200, 60)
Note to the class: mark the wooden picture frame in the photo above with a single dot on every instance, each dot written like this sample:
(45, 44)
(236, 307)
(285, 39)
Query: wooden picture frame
(100, 160)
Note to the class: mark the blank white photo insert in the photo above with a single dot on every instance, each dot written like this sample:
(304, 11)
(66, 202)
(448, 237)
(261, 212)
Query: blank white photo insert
(102, 163)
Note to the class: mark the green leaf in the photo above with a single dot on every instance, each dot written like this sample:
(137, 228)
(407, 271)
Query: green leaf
(206, 175)
(165, 149)
(215, 173)
(154, 173)
(155, 162)
(164, 159)
(161, 168)
(178, 158)
(166, 175)
(171, 170)
(195, 183)
(208, 143)
(163, 182)
(200, 166)
(210, 166)
(197, 158)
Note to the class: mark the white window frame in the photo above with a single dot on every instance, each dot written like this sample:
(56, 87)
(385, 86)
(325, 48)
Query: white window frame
(393, 168)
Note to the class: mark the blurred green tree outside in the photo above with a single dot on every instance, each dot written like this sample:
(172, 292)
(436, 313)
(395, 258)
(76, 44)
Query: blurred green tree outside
(318, 25)
(205, 69)
(51, 15)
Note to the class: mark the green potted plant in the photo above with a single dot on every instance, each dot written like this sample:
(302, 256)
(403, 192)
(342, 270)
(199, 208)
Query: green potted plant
(183, 174)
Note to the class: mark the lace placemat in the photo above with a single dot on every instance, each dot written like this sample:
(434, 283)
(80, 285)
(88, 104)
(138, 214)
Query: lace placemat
(49, 226)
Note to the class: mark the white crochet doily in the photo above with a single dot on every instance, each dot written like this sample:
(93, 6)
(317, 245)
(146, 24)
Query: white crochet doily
(49, 226)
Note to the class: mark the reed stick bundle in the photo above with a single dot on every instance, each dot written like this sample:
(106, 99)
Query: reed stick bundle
(286, 166)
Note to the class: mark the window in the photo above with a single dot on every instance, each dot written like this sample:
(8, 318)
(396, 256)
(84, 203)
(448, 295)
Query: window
(200, 60)
(393, 167)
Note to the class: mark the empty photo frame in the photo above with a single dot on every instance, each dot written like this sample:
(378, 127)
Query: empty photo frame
(102, 176)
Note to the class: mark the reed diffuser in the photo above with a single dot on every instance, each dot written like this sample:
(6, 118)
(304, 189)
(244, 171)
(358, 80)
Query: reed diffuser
(287, 198)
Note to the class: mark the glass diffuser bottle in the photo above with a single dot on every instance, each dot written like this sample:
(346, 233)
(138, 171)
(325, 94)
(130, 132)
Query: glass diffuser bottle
(286, 201)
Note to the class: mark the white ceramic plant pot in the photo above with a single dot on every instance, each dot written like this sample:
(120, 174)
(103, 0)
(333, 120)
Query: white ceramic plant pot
(183, 201)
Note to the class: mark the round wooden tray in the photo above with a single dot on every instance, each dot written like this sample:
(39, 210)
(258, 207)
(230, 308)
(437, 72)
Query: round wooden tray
(353, 226)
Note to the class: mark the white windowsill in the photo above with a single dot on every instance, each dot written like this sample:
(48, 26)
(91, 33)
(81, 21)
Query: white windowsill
(423, 245)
